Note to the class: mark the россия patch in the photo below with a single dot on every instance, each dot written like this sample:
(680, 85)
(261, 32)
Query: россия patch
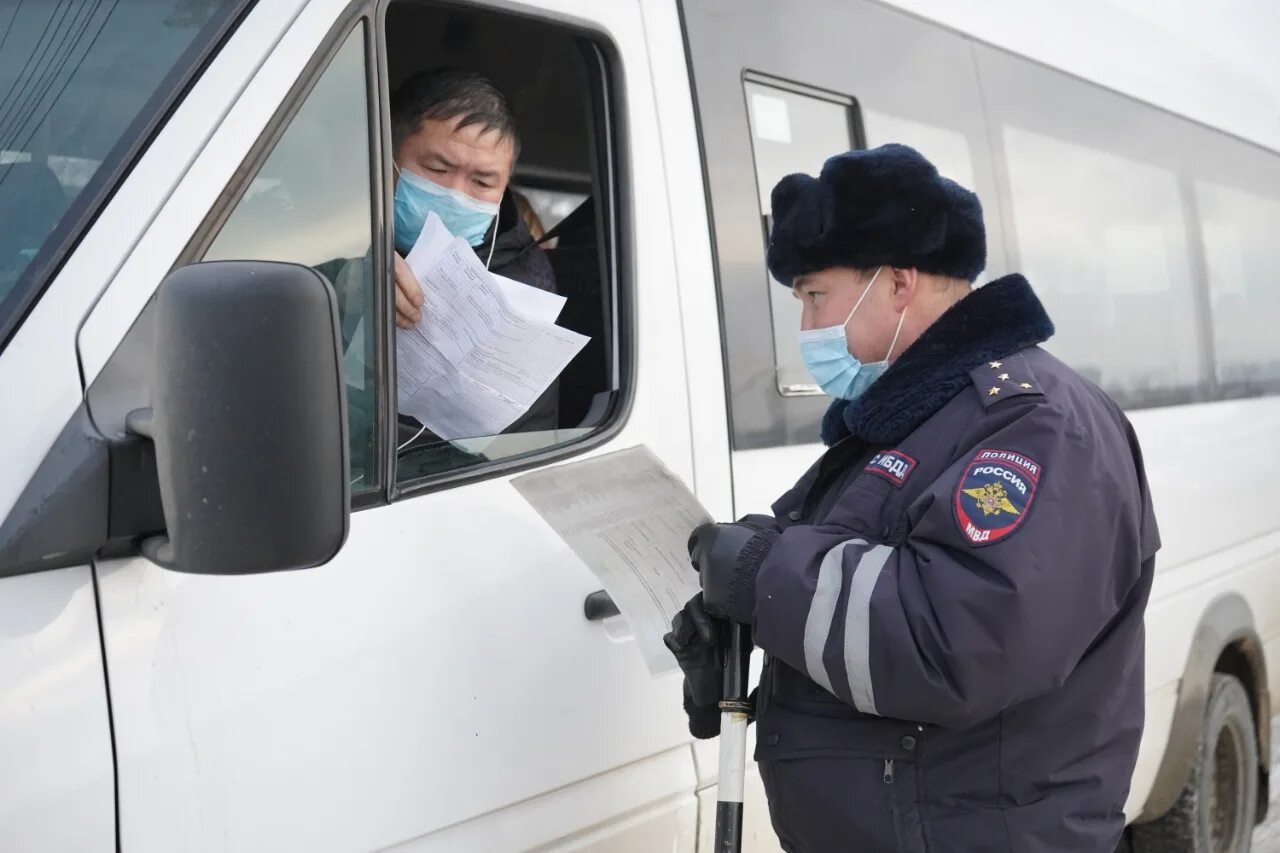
(995, 494)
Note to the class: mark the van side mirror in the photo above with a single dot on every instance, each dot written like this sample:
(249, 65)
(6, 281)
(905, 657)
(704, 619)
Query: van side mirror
(248, 419)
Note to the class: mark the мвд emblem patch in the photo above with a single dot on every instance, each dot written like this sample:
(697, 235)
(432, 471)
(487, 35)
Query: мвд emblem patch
(994, 495)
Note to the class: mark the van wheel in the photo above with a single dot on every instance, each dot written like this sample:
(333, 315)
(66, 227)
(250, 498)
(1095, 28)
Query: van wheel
(1216, 811)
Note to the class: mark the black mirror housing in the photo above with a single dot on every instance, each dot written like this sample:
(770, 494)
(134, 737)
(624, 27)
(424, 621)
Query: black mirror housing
(248, 419)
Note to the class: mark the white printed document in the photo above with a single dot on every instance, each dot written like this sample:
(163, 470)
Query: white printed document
(628, 518)
(486, 348)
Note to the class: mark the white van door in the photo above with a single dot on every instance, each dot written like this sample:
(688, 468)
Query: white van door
(437, 685)
(54, 733)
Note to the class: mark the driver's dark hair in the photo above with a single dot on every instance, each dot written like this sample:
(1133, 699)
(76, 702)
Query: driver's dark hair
(446, 93)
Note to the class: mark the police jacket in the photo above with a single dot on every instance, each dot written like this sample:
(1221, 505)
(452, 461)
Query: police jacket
(952, 604)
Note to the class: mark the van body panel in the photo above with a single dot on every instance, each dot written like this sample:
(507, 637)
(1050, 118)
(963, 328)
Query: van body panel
(57, 786)
(417, 681)
(437, 676)
(534, 823)
(691, 241)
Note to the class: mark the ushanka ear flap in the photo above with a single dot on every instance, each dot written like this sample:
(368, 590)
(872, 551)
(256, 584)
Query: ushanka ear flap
(928, 227)
(802, 218)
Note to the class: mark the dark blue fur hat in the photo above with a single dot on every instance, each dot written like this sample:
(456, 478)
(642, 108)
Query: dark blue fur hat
(887, 205)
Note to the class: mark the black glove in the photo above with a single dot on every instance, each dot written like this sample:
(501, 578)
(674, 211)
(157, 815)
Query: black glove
(727, 557)
(695, 641)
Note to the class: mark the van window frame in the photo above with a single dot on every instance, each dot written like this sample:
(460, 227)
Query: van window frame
(614, 207)
(119, 162)
(614, 212)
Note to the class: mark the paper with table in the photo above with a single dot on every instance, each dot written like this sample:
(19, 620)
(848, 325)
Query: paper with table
(486, 348)
(628, 518)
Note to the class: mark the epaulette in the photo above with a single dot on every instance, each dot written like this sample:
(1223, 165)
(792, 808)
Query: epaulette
(1004, 378)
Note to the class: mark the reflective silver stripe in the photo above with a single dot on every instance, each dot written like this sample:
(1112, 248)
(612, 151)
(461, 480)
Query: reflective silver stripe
(817, 626)
(857, 628)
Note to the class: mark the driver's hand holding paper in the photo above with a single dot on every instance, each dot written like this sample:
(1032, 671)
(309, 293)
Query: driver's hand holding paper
(485, 347)
(408, 294)
(478, 348)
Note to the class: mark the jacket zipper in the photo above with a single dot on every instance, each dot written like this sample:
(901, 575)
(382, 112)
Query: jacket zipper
(888, 771)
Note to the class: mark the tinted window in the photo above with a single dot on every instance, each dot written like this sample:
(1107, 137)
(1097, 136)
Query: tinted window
(1096, 210)
(795, 129)
(1103, 240)
(1242, 253)
(792, 130)
(912, 83)
(74, 76)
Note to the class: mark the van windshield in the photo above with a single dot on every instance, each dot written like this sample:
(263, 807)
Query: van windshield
(79, 82)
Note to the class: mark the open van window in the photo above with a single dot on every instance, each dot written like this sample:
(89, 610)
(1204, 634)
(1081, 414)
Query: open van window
(552, 229)
(79, 85)
(310, 192)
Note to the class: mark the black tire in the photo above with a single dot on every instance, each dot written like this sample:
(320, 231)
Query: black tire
(1216, 811)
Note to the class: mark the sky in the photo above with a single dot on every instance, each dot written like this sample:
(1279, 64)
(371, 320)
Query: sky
(1213, 61)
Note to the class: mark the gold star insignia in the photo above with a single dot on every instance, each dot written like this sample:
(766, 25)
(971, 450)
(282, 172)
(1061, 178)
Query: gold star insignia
(993, 392)
(996, 365)
(1004, 377)
(1025, 385)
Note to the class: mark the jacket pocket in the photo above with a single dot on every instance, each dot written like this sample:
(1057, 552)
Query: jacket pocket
(844, 781)
(904, 795)
(844, 803)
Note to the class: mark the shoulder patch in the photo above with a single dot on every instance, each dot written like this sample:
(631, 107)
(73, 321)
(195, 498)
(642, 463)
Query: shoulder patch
(1004, 378)
(994, 495)
(894, 465)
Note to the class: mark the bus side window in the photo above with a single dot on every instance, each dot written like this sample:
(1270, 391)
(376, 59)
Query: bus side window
(1238, 228)
(1101, 230)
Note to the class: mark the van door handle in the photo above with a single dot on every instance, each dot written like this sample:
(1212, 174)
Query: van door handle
(599, 605)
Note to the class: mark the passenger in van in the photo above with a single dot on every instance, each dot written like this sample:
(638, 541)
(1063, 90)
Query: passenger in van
(531, 219)
(454, 146)
(952, 598)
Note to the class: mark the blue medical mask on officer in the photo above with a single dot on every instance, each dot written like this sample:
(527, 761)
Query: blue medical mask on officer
(417, 196)
(836, 370)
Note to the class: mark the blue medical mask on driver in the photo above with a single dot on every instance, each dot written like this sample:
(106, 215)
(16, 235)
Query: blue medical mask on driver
(836, 370)
(417, 196)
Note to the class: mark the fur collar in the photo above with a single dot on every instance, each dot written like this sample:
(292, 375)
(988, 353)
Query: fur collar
(994, 321)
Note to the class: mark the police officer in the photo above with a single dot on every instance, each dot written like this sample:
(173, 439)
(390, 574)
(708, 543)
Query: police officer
(951, 600)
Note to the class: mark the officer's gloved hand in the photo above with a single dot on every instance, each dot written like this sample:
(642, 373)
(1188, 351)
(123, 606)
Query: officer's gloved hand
(694, 640)
(727, 558)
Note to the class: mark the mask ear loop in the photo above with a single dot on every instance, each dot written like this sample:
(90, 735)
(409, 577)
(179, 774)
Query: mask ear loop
(493, 245)
(902, 317)
(863, 296)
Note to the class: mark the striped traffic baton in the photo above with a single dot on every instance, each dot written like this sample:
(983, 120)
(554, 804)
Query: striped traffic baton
(734, 713)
